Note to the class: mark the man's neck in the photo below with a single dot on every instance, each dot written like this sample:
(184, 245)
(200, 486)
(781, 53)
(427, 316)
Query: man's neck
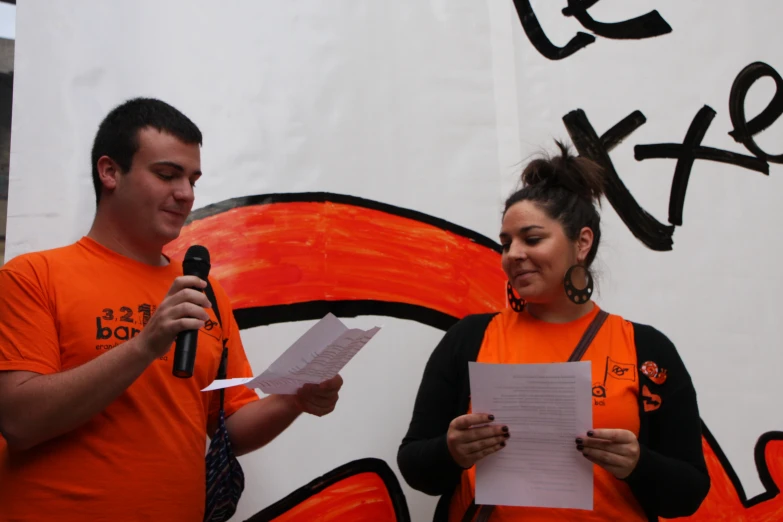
(560, 311)
(107, 234)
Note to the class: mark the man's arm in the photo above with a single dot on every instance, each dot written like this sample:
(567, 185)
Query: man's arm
(256, 424)
(35, 408)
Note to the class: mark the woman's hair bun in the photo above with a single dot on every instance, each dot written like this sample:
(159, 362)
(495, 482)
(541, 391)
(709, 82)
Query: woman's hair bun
(573, 173)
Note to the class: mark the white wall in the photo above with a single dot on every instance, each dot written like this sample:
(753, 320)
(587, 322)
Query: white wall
(430, 106)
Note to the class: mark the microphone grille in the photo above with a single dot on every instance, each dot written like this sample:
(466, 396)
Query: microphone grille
(197, 253)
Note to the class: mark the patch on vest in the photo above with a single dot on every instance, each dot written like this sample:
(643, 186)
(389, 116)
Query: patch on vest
(653, 372)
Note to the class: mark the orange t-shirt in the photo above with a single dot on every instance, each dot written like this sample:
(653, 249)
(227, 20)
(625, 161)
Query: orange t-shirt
(142, 458)
(519, 338)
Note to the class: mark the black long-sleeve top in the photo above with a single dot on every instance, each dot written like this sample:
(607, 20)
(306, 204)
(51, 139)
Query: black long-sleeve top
(670, 479)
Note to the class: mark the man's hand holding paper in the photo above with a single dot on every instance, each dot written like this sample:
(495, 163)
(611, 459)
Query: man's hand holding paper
(318, 399)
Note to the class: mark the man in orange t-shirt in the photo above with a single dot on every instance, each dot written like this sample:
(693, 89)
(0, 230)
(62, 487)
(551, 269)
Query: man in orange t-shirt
(95, 426)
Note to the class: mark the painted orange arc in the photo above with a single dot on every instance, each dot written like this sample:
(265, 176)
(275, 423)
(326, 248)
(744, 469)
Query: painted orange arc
(301, 251)
(284, 253)
(359, 498)
(723, 503)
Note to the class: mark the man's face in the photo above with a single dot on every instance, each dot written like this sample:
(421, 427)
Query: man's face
(154, 198)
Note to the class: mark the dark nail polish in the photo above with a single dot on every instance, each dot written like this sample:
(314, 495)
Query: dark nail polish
(502, 444)
(579, 441)
(505, 429)
(507, 435)
(491, 417)
(580, 447)
(590, 433)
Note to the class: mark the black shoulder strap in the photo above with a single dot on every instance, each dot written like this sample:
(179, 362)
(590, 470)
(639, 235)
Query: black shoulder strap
(485, 511)
(588, 336)
(211, 296)
(222, 369)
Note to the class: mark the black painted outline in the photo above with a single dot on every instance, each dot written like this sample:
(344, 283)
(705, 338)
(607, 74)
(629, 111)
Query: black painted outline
(311, 310)
(356, 467)
(354, 201)
(654, 234)
(687, 152)
(772, 490)
(535, 33)
(647, 25)
(745, 130)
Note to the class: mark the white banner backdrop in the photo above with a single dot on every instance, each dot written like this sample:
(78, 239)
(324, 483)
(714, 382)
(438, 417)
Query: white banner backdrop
(432, 107)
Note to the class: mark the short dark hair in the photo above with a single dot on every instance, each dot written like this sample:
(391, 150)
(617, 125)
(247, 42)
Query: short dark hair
(567, 188)
(118, 133)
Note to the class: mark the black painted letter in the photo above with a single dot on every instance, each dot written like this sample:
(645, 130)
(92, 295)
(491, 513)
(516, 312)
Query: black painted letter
(745, 130)
(540, 41)
(648, 25)
(644, 226)
(689, 151)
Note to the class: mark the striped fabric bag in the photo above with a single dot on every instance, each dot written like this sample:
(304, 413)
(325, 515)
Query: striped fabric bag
(225, 478)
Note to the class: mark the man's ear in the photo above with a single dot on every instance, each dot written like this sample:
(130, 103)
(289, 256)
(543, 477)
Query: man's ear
(108, 173)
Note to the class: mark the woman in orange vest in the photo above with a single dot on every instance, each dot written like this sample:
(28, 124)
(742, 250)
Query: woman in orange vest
(646, 441)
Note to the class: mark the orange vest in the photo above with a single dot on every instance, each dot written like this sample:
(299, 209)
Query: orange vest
(518, 338)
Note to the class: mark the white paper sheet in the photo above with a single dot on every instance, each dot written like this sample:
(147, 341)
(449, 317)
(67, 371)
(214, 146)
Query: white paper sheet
(546, 407)
(318, 355)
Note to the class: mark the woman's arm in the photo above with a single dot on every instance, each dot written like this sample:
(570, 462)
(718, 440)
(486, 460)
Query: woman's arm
(423, 457)
(671, 478)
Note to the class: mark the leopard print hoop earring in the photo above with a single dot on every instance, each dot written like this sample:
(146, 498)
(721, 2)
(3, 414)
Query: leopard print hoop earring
(578, 295)
(515, 302)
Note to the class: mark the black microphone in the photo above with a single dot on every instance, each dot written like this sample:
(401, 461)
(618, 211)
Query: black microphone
(196, 263)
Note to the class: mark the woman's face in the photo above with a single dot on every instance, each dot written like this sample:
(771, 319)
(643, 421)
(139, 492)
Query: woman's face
(537, 253)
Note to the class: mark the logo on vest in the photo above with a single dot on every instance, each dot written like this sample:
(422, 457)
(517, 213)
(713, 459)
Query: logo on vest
(121, 333)
(616, 370)
(654, 372)
(599, 394)
(115, 326)
(619, 370)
